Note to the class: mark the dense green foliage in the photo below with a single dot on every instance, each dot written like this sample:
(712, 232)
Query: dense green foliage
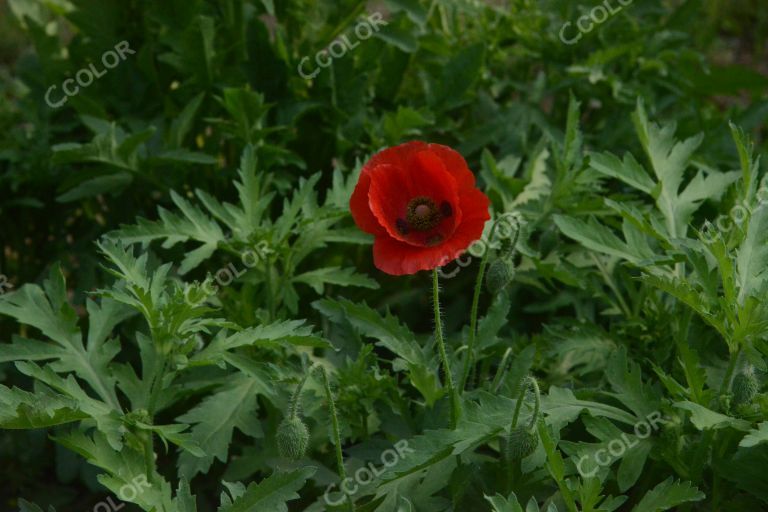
(191, 321)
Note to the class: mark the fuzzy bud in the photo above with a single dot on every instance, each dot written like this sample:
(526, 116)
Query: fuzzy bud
(521, 443)
(292, 438)
(745, 387)
(500, 273)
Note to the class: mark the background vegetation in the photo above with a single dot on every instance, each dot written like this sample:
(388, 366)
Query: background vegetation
(207, 143)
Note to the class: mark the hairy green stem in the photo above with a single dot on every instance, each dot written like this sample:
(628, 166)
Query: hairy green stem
(500, 371)
(149, 455)
(529, 381)
(470, 357)
(269, 289)
(520, 400)
(536, 402)
(156, 385)
(734, 359)
(336, 434)
(612, 285)
(293, 407)
(455, 404)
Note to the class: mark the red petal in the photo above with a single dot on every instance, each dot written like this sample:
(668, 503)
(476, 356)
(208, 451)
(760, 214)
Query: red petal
(396, 155)
(454, 164)
(398, 258)
(393, 187)
(358, 205)
(395, 176)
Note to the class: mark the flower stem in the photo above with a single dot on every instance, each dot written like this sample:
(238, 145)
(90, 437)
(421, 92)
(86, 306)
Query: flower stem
(293, 407)
(455, 404)
(726, 385)
(536, 403)
(500, 371)
(149, 456)
(336, 434)
(470, 357)
(520, 400)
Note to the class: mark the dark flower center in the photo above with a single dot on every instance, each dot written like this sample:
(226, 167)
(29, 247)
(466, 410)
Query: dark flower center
(422, 214)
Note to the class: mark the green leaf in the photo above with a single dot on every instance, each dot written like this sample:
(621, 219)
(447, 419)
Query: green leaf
(22, 410)
(288, 332)
(747, 470)
(540, 185)
(669, 160)
(562, 407)
(501, 504)
(271, 494)
(756, 436)
(27, 506)
(625, 377)
(632, 464)
(752, 260)
(318, 278)
(184, 121)
(113, 182)
(48, 311)
(107, 418)
(629, 170)
(125, 469)
(593, 235)
(184, 500)
(750, 166)
(398, 36)
(192, 224)
(704, 419)
(392, 335)
(173, 433)
(234, 405)
(459, 74)
(668, 494)
(184, 156)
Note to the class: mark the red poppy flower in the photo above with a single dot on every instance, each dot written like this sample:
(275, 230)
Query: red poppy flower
(420, 202)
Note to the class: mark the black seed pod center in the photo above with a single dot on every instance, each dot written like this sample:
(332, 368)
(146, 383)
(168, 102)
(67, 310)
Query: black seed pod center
(422, 214)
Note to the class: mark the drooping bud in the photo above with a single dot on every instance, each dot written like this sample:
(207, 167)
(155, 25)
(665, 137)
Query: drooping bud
(500, 273)
(523, 440)
(292, 438)
(521, 443)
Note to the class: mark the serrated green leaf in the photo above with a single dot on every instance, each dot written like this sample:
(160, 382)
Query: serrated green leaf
(704, 419)
(271, 494)
(318, 278)
(233, 406)
(668, 494)
(756, 436)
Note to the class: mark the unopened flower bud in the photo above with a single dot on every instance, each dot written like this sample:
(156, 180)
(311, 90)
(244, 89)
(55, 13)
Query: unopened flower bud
(292, 438)
(745, 387)
(521, 443)
(500, 274)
